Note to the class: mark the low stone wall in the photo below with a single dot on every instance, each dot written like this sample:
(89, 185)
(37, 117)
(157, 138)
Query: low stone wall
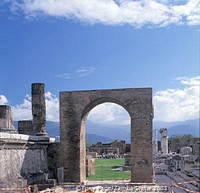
(90, 166)
(128, 159)
(53, 151)
(23, 159)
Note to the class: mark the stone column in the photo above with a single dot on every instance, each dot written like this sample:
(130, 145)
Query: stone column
(38, 109)
(72, 154)
(155, 143)
(141, 150)
(5, 116)
(6, 124)
(164, 141)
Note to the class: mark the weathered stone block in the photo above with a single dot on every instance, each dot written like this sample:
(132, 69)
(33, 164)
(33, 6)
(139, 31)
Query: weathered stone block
(60, 175)
(25, 127)
(90, 166)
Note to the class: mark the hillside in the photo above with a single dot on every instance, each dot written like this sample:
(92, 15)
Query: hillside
(108, 133)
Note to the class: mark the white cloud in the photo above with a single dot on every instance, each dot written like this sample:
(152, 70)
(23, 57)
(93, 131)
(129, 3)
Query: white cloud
(52, 105)
(114, 12)
(169, 105)
(3, 100)
(82, 72)
(194, 81)
(23, 111)
(64, 76)
(179, 104)
(109, 113)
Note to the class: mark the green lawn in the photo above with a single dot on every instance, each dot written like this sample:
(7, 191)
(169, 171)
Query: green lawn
(104, 170)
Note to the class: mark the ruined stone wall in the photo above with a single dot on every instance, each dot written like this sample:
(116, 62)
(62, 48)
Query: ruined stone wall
(23, 160)
(26, 127)
(117, 146)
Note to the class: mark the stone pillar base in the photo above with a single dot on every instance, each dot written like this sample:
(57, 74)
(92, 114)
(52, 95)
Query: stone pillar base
(41, 134)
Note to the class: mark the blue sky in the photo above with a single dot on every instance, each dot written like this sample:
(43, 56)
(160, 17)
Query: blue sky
(67, 52)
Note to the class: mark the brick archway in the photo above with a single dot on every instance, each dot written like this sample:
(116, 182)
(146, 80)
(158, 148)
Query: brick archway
(74, 107)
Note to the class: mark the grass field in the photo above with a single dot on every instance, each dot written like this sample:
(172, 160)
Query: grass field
(104, 170)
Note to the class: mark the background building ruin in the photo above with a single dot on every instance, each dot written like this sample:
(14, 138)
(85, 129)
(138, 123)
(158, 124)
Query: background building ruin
(116, 147)
(29, 156)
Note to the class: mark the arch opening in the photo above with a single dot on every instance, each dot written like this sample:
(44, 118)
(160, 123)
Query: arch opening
(101, 101)
(106, 138)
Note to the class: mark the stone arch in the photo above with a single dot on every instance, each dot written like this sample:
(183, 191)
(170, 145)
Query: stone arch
(74, 106)
(102, 100)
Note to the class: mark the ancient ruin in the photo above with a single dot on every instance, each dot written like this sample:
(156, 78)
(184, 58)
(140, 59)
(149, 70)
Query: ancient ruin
(116, 147)
(6, 124)
(24, 153)
(29, 156)
(38, 109)
(175, 165)
(164, 141)
(74, 107)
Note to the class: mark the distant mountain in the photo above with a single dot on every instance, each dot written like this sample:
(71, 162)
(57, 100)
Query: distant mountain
(53, 130)
(93, 138)
(94, 132)
(111, 131)
(107, 133)
(180, 128)
(183, 129)
(191, 123)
